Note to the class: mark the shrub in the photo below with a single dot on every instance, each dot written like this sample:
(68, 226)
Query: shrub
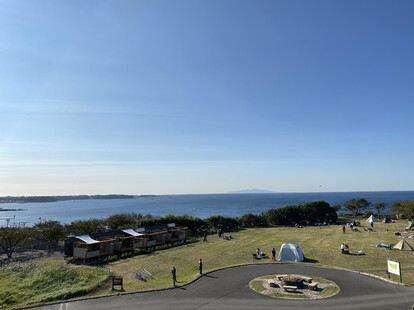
(253, 220)
(226, 223)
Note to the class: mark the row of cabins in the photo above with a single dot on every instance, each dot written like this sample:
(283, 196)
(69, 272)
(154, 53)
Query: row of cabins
(85, 247)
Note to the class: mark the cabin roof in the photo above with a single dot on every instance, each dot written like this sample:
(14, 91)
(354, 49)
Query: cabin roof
(131, 232)
(87, 239)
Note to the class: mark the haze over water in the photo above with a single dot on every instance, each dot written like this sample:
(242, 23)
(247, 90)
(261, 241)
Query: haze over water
(202, 206)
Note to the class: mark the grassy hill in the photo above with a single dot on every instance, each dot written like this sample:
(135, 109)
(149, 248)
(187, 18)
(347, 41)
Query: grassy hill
(54, 279)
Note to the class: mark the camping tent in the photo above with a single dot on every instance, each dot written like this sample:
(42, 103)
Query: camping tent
(290, 252)
(403, 246)
(372, 219)
(386, 220)
(409, 225)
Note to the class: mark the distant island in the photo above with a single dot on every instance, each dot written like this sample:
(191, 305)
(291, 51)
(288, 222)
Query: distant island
(5, 210)
(252, 191)
(31, 199)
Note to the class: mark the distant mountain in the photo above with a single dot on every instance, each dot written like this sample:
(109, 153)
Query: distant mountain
(251, 191)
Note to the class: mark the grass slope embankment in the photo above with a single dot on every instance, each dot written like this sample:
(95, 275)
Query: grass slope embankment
(45, 280)
(321, 246)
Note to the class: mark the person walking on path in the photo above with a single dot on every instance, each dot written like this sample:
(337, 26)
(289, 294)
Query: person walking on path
(273, 254)
(174, 277)
(200, 266)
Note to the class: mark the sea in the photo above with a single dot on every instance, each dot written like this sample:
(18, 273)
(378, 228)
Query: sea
(202, 206)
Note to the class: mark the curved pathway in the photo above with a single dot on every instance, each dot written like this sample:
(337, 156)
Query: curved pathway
(228, 289)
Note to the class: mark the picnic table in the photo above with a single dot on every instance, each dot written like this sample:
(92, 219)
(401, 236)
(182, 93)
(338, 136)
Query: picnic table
(290, 288)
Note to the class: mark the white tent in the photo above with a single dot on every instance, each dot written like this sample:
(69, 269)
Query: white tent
(372, 219)
(290, 252)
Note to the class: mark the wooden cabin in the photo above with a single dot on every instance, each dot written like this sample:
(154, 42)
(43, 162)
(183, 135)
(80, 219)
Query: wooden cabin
(129, 240)
(84, 247)
(103, 244)
(178, 233)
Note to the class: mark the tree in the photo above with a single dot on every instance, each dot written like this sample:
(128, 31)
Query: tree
(50, 233)
(12, 238)
(337, 207)
(218, 221)
(253, 220)
(124, 220)
(397, 207)
(195, 225)
(379, 206)
(308, 213)
(357, 205)
(408, 209)
(86, 227)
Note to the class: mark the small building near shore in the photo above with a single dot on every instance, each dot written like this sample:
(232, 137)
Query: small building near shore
(86, 247)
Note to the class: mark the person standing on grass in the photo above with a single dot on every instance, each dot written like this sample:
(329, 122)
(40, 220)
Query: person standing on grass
(343, 228)
(174, 278)
(200, 266)
(273, 254)
(205, 237)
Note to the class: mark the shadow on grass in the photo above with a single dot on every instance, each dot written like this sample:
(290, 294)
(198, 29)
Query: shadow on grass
(310, 260)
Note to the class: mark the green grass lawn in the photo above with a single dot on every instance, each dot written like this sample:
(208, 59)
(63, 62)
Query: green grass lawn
(407, 277)
(320, 246)
(46, 280)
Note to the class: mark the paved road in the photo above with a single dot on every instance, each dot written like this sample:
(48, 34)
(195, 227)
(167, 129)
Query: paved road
(228, 289)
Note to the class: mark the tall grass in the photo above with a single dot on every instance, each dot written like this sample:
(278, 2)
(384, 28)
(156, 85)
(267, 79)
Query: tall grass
(45, 280)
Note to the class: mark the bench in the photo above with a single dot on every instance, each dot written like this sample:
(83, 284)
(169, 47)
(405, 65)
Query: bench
(290, 288)
(281, 276)
(307, 279)
(313, 286)
(273, 284)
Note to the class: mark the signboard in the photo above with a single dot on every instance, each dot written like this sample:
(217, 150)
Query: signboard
(394, 267)
(117, 281)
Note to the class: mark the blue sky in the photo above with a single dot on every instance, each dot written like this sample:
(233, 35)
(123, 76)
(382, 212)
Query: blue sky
(168, 97)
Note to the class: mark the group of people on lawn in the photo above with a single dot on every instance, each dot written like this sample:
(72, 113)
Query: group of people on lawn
(260, 254)
(344, 249)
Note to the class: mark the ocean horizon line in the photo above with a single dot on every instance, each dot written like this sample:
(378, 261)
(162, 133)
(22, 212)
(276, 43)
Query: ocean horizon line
(217, 193)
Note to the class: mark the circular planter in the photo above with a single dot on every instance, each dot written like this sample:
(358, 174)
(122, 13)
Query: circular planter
(272, 287)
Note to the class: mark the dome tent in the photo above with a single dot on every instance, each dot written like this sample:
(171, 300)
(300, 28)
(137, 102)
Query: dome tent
(290, 252)
(371, 219)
